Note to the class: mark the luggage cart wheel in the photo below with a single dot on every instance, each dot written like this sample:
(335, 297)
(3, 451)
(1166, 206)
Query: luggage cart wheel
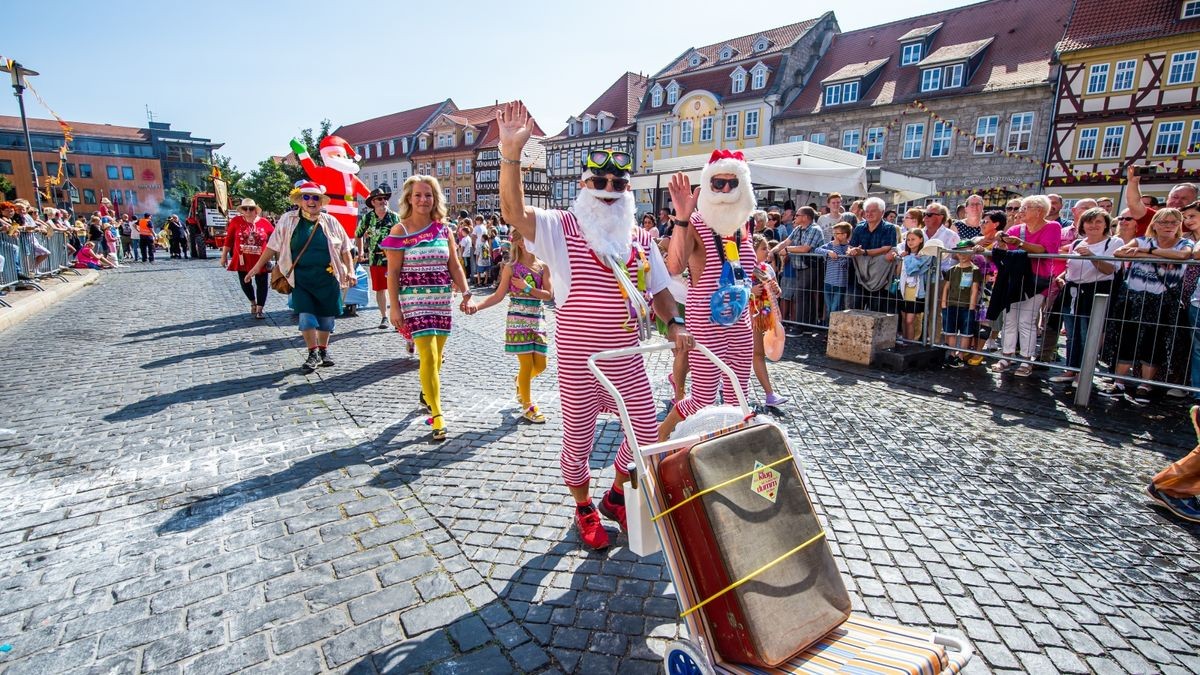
(683, 658)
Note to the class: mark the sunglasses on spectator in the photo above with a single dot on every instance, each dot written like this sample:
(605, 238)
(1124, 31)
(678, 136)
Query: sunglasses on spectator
(1126, 218)
(930, 214)
(772, 217)
(1012, 208)
(601, 183)
(245, 208)
(719, 184)
(311, 198)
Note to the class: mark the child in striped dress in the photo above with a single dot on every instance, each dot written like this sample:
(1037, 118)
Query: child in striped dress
(525, 279)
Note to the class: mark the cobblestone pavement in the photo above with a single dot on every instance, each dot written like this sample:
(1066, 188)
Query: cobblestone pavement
(179, 498)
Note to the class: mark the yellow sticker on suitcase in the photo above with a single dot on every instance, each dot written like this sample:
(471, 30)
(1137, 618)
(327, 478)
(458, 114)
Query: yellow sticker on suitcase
(765, 482)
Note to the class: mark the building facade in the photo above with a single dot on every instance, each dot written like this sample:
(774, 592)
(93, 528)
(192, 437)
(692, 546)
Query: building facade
(487, 173)
(963, 97)
(726, 95)
(103, 160)
(608, 123)
(185, 159)
(1126, 97)
(385, 144)
(448, 147)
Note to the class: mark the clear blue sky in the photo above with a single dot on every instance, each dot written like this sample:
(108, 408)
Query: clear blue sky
(240, 72)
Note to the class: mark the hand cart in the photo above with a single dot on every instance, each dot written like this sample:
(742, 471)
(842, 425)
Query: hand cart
(856, 644)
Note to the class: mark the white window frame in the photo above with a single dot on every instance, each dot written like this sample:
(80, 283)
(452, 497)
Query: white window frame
(850, 92)
(1186, 61)
(1117, 138)
(651, 136)
(914, 140)
(876, 137)
(850, 140)
(587, 126)
(751, 126)
(931, 79)
(467, 165)
(664, 135)
(1194, 137)
(817, 138)
(739, 81)
(761, 44)
(1085, 148)
(795, 138)
(1097, 78)
(424, 142)
(941, 139)
(910, 53)
(731, 125)
(726, 53)
(706, 129)
(391, 146)
(953, 77)
(1191, 10)
(833, 95)
(656, 96)
(379, 148)
(672, 93)
(458, 167)
(694, 60)
(1019, 134)
(758, 77)
(685, 132)
(1125, 70)
(986, 129)
(1172, 128)
(571, 128)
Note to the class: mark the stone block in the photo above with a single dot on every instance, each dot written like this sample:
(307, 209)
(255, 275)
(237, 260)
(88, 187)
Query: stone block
(858, 335)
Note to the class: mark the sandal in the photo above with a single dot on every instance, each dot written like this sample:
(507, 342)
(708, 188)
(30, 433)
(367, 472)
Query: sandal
(532, 414)
(439, 433)
(259, 314)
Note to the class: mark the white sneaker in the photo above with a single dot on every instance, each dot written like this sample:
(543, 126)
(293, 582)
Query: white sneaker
(990, 345)
(1000, 366)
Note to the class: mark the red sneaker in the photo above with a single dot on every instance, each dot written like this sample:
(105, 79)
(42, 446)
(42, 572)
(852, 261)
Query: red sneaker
(614, 512)
(591, 532)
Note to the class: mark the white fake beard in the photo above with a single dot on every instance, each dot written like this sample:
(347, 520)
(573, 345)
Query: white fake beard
(726, 212)
(606, 227)
(343, 164)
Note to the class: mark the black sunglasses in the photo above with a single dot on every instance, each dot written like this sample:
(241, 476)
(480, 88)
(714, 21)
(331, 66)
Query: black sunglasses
(311, 198)
(601, 183)
(720, 183)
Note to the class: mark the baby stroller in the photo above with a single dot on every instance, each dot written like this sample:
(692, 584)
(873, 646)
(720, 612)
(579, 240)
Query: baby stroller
(757, 585)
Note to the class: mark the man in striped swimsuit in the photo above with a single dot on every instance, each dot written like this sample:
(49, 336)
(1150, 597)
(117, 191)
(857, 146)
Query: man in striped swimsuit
(585, 250)
(705, 242)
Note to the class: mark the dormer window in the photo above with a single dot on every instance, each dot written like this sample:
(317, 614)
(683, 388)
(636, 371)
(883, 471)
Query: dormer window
(672, 93)
(587, 126)
(656, 96)
(841, 93)
(758, 76)
(424, 144)
(695, 60)
(725, 54)
(761, 44)
(571, 128)
(739, 80)
(931, 79)
(469, 136)
(911, 53)
(953, 77)
(1191, 10)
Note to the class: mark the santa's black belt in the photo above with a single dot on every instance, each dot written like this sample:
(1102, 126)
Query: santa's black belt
(336, 196)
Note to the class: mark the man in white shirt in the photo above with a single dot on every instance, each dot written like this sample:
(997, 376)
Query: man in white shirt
(936, 217)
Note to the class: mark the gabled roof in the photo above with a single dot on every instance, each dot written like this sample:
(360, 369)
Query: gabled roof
(1021, 34)
(1103, 23)
(40, 126)
(395, 125)
(482, 118)
(621, 100)
(781, 38)
(717, 81)
(952, 53)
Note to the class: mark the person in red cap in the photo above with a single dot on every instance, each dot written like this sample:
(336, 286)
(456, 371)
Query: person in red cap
(337, 176)
(712, 243)
(314, 255)
(603, 267)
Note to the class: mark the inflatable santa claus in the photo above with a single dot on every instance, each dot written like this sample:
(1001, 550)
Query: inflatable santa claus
(338, 178)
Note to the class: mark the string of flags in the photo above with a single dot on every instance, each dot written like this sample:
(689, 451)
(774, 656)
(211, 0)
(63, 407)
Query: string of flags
(67, 131)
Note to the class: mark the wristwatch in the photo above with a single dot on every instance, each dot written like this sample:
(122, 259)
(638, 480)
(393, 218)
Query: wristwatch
(676, 321)
(681, 223)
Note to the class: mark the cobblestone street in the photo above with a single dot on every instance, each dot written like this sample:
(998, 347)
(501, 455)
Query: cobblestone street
(180, 498)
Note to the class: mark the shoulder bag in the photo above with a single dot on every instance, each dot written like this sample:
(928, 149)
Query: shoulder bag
(279, 280)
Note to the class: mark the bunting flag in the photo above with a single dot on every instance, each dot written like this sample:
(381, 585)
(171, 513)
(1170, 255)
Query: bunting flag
(68, 135)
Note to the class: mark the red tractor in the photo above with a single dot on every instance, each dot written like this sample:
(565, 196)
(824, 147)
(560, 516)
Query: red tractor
(205, 223)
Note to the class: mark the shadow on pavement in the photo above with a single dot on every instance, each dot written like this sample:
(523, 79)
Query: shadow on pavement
(539, 619)
(206, 509)
(193, 328)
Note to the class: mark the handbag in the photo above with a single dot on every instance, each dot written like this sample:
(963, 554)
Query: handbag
(279, 280)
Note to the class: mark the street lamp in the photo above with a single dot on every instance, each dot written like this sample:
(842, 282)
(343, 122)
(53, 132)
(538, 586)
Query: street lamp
(18, 73)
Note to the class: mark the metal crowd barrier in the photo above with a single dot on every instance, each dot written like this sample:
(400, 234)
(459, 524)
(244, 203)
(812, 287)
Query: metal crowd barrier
(21, 267)
(1126, 338)
(10, 263)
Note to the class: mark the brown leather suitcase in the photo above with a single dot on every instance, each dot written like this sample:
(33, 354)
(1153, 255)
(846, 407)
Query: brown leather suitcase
(734, 530)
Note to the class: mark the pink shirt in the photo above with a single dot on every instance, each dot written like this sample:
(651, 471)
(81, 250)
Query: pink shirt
(85, 257)
(1049, 237)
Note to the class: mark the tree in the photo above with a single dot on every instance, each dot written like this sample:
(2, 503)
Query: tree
(313, 143)
(7, 188)
(230, 173)
(268, 185)
(178, 199)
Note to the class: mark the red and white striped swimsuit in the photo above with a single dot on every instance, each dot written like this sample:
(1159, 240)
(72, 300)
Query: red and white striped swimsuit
(593, 319)
(733, 344)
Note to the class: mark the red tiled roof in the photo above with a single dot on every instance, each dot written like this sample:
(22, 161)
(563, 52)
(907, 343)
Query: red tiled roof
(1102, 23)
(395, 125)
(781, 38)
(1024, 32)
(481, 118)
(40, 126)
(717, 81)
(621, 99)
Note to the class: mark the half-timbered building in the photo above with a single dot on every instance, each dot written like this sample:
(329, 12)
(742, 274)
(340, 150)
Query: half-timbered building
(384, 145)
(1127, 93)
(963, 96)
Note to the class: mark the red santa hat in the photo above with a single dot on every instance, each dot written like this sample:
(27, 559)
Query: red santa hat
(308, 187)
(725, 161)
(331, 143)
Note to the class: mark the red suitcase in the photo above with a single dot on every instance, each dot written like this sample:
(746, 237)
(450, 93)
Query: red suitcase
(737, 529)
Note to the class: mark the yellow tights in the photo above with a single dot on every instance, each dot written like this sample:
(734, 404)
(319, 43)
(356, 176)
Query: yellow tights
(531, 364)
(429, 351)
